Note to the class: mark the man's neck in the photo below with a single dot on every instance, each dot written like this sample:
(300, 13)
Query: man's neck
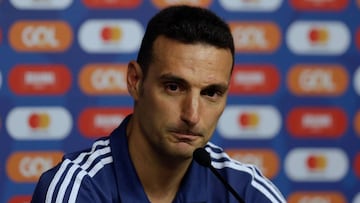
(160, 176)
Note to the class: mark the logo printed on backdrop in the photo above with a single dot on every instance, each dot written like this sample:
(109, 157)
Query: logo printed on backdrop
(103, 79)
(249, 122)
(316, 197)
(110, 36)
(357, 165)
(113, 4)
(40, 36)
(20, 199)
(39, 123)
(101, 121)
(318, 37)
(319, 5)
(254, 79)
(27, 166)
(251, 6)
(316, 164)
(317, 80)
(165, 3)
(266, 160)
(357, 196)
(41, 5)
(255, 37)
(357, 123)
(39, 79)
(357, 80)
(315, 122)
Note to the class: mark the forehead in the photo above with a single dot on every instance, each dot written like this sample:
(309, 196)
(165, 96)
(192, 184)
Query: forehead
(202, 62)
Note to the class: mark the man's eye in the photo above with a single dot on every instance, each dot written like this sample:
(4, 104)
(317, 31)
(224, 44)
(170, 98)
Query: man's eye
(172, 87)
(211, 93)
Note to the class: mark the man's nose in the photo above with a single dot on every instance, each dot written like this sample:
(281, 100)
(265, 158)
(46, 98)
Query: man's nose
(190, 110)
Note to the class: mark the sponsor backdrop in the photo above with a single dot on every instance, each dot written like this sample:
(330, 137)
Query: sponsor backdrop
(293, 108)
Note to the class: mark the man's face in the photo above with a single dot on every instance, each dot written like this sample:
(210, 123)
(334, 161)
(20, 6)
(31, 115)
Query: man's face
(182, 96)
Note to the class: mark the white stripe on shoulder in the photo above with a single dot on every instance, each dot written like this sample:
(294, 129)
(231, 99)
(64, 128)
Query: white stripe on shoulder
(64, 166)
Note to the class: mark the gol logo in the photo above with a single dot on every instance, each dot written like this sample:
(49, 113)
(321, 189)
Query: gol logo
(357, 123)
(40, 36)
(39, 79)
(97, 122)
(103, 79)
(249, 122)
(28, 166)
(20, 199)
(254, 79)
(166, 3)
(266, 160)
(319, 5)
(357, 165)
(251, 5)
(317, 122)
(316, 164)
(113, 4)
(316, 197)
(317, 80)
(255, 36)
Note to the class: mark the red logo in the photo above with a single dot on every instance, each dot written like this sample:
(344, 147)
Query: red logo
(40, 79)
(254, 79)
(248, 119)
(319, 5)
(113, 4)
(39, 121)
(358, 38)
(98, 122)
(357, 165)
(111, 34)
(316, 162)
(20, 199)
(317, 122)
(318, 35)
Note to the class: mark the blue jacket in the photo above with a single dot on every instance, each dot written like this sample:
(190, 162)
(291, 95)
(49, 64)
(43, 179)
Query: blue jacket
(105, 173)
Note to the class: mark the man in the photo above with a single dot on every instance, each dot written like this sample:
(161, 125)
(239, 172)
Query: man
(179, 84)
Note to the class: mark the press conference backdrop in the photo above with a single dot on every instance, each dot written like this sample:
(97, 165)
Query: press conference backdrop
(293, 108)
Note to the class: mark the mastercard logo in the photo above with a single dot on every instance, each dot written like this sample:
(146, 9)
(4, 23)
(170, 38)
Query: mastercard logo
(318, 37)
(98, 122)
(110, 36)
(311, 122)
(41, 5)
(251, 5)
(103, 79)
(316, 164)
(319, 5)
(40, 79)
(254, 80)
(254, 37)
(266, 160)
(113, 4)
(28, 166)
(318, 196)
(40, 36)
(165, 3)
(249, 122)
(317, 80)
(39, 123)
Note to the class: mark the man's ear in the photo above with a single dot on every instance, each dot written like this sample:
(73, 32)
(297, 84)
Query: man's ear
(134, 79)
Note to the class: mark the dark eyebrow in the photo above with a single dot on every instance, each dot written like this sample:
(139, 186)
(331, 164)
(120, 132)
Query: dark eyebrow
(170, 77)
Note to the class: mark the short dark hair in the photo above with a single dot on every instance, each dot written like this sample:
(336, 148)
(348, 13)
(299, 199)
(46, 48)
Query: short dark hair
(186, 24)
